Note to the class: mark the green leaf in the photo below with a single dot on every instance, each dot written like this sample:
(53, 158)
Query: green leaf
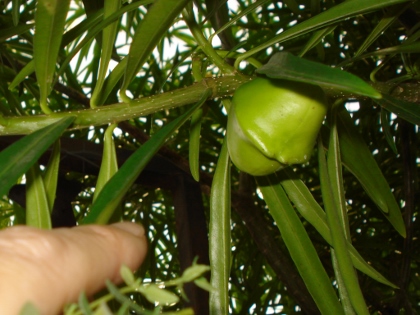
(154, 294)
(25, 72)
(332, 195)
(407, 47)
(316, 38)
(358, 159)
(405, 110)
(286, 66)
(15, 12)
(112, 80)
(385, 123)
(194, 144)
(50, 18)
(29, 309)
(309, 208)
(103, 309)
(204, 284)
(218, 14)
(193, 272)
(123, 299)
(108, 38)
(109, 165)
(127, 275)
(16, 159)
(380, 28)
(51, 175)
(333, 15)
(148, 34)
(96, 29)
(299, 245)
(84, 304)
(219, 235)
(14, 30)
(115, 189)
(37, 209)
(335, 177)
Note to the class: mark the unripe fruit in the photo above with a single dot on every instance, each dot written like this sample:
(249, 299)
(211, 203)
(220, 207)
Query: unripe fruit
(273, 123)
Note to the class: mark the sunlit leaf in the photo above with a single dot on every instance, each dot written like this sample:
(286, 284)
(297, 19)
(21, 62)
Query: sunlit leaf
(50, 18)
(108, 39)
(149, 32)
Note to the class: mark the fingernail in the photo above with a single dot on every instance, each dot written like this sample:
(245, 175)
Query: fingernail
(133, 228)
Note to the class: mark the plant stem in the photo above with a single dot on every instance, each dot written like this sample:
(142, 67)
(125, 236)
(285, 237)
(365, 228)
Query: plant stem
(221, 87)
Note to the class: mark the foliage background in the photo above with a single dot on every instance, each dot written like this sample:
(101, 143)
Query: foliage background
(263, 278)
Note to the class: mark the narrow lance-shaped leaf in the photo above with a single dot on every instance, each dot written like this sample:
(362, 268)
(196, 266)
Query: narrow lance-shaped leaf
(349, 288)
(15, 11)
(50, 18)
(336, 176)
(115, 189)
(316, 39)
(405, 110)
(51, 175)
(342, 289)
(121, 298)
(345, 269)
(219, 235)
(387, 20)
(109, 167)
(95, 28)
(309, 208)
(194, 144)
(26, 71)
(108, 38)
(148, 34)
(13, 31)
(299, 245)
(37, 209)
(333, 15)
(385, 123)
(16, 159)
(286, 66)
(358, 159)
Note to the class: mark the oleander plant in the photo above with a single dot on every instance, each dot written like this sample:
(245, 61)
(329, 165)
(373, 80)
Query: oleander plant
(269, 147)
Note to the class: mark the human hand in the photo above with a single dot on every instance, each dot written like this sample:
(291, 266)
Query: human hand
(49, 268)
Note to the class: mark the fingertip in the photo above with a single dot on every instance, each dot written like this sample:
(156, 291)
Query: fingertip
(135, 229)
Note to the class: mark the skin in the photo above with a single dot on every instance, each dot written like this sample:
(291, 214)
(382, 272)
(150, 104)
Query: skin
(51, 267)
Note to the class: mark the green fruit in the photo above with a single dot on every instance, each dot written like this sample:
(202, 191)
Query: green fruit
(274, 123)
